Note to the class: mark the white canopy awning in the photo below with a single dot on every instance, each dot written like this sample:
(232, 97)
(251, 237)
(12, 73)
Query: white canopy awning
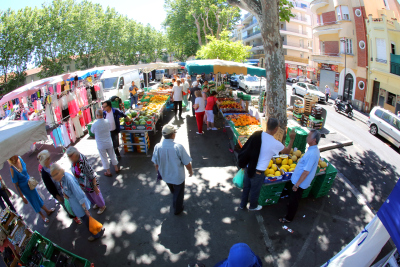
(18, 136)
(146, 68)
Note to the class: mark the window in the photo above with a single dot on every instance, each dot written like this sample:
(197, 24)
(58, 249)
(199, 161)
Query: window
(358, 13)
(361, 85)
(321, 21)
(393, 48)
(391, 99)
(322, 48)
(386, 117)
(301, 55)
(381, 50)
(282, 26)
(386, 4)
(68, 68)
(396, 123)
(361, 44)
(342, 13)
(378, 113)
(104, 61)
(346, 46)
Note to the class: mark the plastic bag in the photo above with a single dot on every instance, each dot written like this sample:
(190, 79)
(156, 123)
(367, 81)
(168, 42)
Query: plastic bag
(238, 179)
(68, 207)
(94, 226)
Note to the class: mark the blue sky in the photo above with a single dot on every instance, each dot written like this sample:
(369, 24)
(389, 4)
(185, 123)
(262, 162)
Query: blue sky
(144, 11)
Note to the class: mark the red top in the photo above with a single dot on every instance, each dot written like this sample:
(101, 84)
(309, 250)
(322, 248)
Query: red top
(211, 100)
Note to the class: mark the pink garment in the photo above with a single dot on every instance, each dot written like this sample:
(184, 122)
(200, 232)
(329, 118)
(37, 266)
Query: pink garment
(57, 112)
(51, 90)
(82, 121)
(73, 106)
(87, 116)
(58, 88)
(71, 131)
(96, 88)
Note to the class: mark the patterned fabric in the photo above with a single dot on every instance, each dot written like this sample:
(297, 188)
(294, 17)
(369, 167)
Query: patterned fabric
(85, 174)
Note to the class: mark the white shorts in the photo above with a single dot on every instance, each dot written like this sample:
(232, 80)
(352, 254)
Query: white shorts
(210, 116)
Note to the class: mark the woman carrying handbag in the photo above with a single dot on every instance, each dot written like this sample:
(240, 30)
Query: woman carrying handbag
(25, 186)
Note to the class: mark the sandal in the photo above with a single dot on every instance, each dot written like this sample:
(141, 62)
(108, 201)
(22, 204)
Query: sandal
(118, 171)
(107, 174)
(283, 220)
(46, 220)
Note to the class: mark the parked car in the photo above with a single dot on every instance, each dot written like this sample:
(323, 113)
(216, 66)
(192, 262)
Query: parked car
(160, 75)
(299, 79)
(118, 83)
(251, 83)
(386, 124)
(302, 89)
(234, 80)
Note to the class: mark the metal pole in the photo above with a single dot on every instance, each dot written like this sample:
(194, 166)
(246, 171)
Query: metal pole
(345, 54)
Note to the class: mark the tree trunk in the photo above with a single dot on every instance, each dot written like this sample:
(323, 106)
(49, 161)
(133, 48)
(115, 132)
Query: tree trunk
(218, 23)
(208, 26)
(204, 28)
(267, 14)
(196, 21)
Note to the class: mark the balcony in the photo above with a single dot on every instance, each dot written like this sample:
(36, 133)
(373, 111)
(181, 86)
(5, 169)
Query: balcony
(327, 28)
(300, 20)
(329, 58)
(295, 32)
(246, 17)
(300, 6)
(295, 46)
(250, 25)
(314, 5)
(251, 36)
(296, 59)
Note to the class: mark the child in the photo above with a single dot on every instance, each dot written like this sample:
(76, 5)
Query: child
(199, 107)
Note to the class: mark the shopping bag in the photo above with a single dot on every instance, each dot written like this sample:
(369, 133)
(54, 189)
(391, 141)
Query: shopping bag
(68, 207)
(94, 226)
(238, 179)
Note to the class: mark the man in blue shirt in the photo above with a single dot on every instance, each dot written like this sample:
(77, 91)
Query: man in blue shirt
(170, 158)
(303, 175)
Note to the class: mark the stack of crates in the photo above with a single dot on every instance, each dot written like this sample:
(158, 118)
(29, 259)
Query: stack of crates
(301, 138)
(270, 194)
(313, 123)
(304, 120)
(126, 138)
(298, 107)
(142, 139)
(309, 103)
(323, 183)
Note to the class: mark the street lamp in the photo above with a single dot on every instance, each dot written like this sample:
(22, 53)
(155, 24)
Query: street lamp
(343, 40)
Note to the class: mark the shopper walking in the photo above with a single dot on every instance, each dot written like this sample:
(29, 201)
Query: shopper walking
(241, 255)
(133, 94)
(192, 96)
(211, 101)
(169, 159)
(101, 131)
(177, 95)
(199, 107)
(327, 93)
(113, 115)
(20, 178)
(303, 175)
(78, 201)
(5, 195)
(53, 186)
(87, 178)
(254, 158)
(185, 86)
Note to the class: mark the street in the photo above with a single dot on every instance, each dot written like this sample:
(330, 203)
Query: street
(142, 231)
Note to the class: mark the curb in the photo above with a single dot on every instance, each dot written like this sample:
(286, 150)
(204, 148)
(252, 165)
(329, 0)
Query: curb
(363, 121)
(335, 145)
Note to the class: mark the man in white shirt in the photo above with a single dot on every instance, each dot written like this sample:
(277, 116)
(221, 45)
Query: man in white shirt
(255, 156)
(177, 95)
(185, 86)
(101, 130)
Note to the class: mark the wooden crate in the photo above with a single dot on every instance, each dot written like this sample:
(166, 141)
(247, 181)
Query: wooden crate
(310, 98)
(308, 107)
(298, 110)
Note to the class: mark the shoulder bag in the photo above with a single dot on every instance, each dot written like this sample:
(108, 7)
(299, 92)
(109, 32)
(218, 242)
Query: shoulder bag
(32, 183)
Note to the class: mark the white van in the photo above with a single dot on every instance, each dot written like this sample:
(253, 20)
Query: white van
(160, 75)
(386, 124)
(118, 83)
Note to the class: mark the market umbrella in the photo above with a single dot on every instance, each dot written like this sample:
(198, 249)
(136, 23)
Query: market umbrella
(146, 68)
(25, 90)
(18, 136)
(223, 66)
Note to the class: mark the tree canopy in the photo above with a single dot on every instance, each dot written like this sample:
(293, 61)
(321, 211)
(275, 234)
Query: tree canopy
(223, 48)
(64, 30)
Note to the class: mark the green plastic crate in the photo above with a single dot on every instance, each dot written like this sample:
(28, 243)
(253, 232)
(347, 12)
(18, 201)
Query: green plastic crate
(89, 126)
(84, 262)
(307, 191)
(311, 118)
(32, 242)
(301, 138)
(322, 185)
(127, 104)
(115, 104)
(270, 193)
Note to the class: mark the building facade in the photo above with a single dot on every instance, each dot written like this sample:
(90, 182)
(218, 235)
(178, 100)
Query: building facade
(383, 89)
(342, 48)
(296, 36)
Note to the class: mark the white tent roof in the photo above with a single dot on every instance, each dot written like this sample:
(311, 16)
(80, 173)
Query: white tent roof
(18, 136)
(146, 68)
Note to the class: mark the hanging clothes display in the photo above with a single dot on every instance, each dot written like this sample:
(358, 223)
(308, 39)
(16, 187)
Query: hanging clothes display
(65, 135)
(58, 88)
(77, 126)
(71, 131)
(49, 115)
(72, 105)
(93, 92)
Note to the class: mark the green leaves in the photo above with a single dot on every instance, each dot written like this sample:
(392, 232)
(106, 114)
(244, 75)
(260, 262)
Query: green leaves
(224, 49)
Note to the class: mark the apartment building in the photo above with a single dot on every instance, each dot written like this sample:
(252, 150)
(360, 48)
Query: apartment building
(342, 48)
(383, 34)
(296, 36)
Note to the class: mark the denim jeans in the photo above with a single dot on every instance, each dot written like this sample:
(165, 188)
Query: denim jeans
(134, 100)
(252, 187)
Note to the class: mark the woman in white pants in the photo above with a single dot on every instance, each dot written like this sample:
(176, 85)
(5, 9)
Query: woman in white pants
(101, 131)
